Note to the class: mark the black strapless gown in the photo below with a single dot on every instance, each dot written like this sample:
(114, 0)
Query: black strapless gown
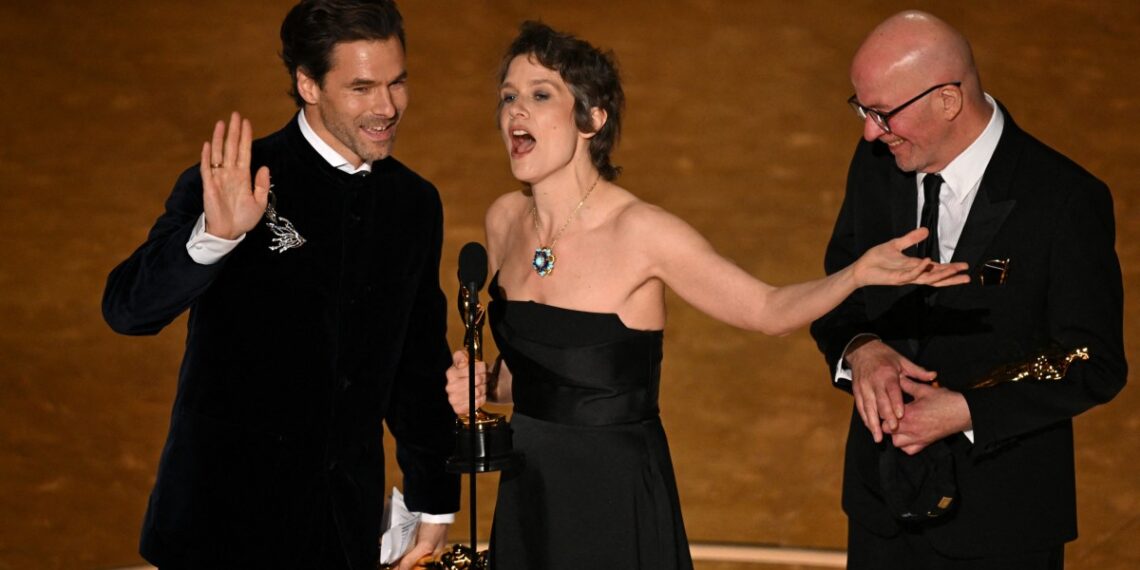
(597, 488)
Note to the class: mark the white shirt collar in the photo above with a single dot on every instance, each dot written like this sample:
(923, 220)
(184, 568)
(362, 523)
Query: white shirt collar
(331, 156)
(964, 173)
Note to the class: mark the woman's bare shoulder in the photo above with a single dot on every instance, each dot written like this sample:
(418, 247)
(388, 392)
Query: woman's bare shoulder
(505, 210)
(636, 216)
(501, 219)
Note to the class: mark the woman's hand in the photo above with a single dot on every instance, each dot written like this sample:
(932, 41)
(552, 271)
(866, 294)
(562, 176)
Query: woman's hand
(231, 205)
(457, 383)
(885, 264)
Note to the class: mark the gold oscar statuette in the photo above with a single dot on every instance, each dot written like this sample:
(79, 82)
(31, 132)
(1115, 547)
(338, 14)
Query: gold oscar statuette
(1050, 365)
(492, 442)
(460, 557)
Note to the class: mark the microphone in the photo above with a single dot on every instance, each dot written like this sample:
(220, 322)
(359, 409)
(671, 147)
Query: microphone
(472, 267)
(472, 275)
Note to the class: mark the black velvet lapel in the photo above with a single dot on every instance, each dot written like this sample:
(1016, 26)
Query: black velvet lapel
(992, 205)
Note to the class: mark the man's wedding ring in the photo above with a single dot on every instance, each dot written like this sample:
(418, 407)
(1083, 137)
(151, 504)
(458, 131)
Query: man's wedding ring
(215, 165)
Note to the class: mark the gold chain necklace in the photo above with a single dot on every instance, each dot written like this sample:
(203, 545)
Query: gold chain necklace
(543, 262)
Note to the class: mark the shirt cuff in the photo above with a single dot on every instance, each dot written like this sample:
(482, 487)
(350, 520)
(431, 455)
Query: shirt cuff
(436, 519)
(842, 370)
(207, 249)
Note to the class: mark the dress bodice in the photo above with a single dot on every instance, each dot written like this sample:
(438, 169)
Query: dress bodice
(576, 367)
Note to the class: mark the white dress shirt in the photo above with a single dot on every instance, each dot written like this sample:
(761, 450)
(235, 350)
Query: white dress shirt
(960, 181)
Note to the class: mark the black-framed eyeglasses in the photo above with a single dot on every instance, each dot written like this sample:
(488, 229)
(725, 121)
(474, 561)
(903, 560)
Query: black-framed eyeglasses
(881, 119)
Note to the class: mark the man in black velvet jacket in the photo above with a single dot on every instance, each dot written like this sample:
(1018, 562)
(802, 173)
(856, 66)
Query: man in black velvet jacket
(315, 314)
(1045, 229)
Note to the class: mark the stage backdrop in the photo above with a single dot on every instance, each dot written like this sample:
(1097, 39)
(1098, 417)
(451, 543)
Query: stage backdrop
(735, 121)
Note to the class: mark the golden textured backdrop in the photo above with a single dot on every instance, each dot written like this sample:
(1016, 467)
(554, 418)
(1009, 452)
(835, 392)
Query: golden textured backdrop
(735, 121)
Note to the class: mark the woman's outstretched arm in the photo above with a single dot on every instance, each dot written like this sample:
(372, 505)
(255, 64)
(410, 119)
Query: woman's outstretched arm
(688, 264)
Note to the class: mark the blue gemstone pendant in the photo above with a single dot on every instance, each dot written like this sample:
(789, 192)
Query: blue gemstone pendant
(543, 261)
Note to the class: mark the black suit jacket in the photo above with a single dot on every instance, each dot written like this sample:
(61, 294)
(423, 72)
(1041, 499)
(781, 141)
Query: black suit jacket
(1054, 222)
(293, 359)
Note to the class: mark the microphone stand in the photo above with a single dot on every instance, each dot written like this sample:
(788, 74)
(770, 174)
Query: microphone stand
(473, 295)
(488, 441)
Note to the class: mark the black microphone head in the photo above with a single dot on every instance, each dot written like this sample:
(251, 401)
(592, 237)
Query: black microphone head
(473, 265)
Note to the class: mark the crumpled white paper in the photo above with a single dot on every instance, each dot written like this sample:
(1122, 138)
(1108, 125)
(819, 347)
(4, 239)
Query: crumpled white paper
(400, 528)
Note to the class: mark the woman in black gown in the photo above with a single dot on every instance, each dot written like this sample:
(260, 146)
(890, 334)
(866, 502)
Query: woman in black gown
(580, 267)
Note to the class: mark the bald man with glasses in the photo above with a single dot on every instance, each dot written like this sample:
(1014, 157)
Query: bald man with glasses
(939, 475)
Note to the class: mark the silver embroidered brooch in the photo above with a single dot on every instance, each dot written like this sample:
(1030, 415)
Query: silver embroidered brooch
(285, 235)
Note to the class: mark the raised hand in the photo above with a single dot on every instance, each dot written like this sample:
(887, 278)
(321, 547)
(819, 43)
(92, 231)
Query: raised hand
(457, 384)
(885, 264)
(231, 205)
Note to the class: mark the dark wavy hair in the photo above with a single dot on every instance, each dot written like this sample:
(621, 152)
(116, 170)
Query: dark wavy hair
(592, 77)
(313, 28)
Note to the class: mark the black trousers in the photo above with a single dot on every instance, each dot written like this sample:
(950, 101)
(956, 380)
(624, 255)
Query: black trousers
(324, 553)
(909, 550)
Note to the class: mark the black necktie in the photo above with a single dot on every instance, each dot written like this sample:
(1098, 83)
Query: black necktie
(931, 188)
